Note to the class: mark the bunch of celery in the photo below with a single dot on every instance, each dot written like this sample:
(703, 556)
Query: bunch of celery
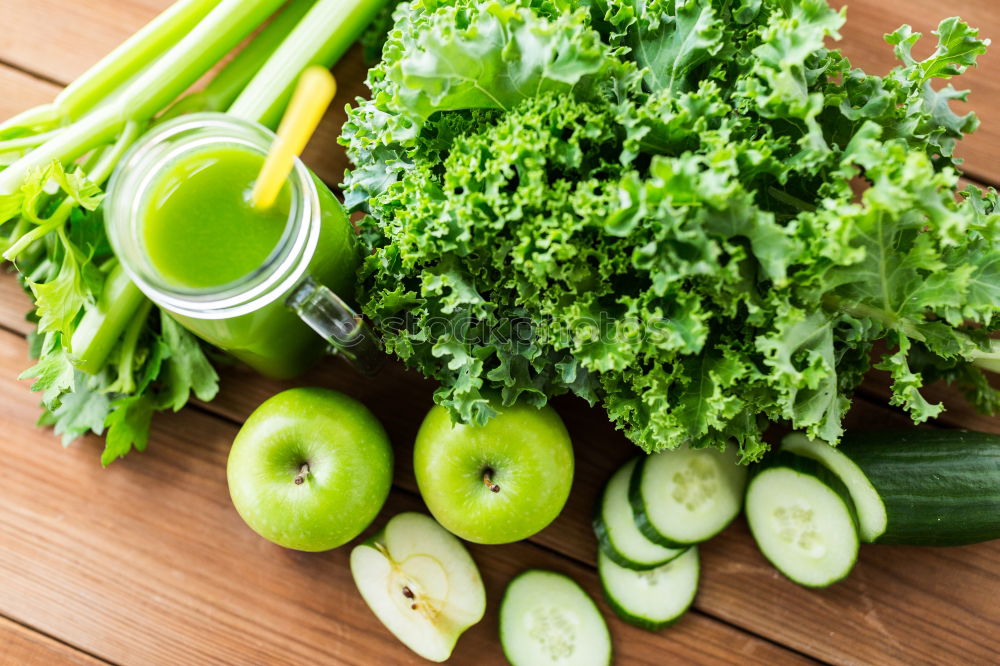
(106, 358)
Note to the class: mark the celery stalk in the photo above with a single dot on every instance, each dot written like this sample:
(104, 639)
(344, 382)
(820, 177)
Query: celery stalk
(103, 323)
(132, 56)
(38, 118)
(116, 68)
(56, 221)
(320, 38)
(130, 338)
(220, 31)
(226, 86)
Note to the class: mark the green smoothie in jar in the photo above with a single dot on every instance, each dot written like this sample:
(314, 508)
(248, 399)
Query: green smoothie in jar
(190, 239)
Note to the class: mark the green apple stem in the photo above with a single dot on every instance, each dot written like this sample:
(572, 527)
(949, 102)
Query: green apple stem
(302, 475)
(488, 480)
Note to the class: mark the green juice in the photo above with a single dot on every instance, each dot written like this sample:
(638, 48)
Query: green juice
(200, 232)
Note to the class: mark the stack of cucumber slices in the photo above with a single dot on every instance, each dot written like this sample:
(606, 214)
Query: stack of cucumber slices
(652, 514)
(803, 519)
(811, 505)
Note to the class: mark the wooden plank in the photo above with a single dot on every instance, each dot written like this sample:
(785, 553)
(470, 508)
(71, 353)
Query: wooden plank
(853, 621)
(20, 646)
(19, 91)
(14, 304)
(62, 56)
(795, 615)
(869, 20)
(49, 40)
(959, 412)
(901, 605)
(147, 562)
(60, 39)
(863, 620)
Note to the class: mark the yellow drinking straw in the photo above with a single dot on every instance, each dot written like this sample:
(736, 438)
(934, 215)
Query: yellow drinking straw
(312, 96)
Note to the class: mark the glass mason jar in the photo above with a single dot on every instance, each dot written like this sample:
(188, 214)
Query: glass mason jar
(269, 318)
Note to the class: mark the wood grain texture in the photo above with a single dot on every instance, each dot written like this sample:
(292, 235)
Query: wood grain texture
(20, 91)
(14, 304)
(60, 39)
(20, 646)
(901, 605)
(47, 43)
(959, 413)
(869, 20)
(862, 620)
(147, 562)
(49, 40)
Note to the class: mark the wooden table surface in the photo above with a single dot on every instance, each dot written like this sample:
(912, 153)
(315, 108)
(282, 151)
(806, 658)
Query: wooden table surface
(146, 562)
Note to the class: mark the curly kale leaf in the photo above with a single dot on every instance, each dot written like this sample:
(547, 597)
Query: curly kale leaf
(691, 212)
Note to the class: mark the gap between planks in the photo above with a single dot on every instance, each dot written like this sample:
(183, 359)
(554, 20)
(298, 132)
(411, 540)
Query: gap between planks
(23, 645)
(206, 410)
(218, 411)
(35, 74)
(866, 395)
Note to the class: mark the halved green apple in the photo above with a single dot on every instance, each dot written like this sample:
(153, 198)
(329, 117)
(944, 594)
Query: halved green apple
(421, 582)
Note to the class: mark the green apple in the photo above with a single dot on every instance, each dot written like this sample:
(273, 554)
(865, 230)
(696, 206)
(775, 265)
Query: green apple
(499, 482)
(310, 469)
(421, 582)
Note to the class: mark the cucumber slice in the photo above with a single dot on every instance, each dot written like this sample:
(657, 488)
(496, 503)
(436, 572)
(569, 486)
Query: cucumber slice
(546, 619)
(803, 520)
(651, 599)
(617, 533)
(686, 496)
(872, 516)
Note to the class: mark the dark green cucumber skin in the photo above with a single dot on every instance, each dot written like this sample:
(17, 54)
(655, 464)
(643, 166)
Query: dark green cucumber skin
(816, 469)
(637, 621)
(608, 547)
(639, 510)
(940, 487)
(642, 622)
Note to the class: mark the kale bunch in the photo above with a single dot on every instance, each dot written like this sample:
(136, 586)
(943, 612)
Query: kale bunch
(691, 212)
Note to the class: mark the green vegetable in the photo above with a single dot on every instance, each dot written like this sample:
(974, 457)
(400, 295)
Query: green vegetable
(651, 599)
(939, 487)
(617, 532)
(374, 37)
(547, 619)
(106, 360)
(872, 518)
(226, 86)
(686, 496)
(650, 205)
(320, 38)
(131, 57)
(803, 520)
(138, 99)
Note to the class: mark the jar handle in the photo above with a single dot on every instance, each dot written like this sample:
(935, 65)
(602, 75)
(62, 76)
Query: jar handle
(327, 314)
